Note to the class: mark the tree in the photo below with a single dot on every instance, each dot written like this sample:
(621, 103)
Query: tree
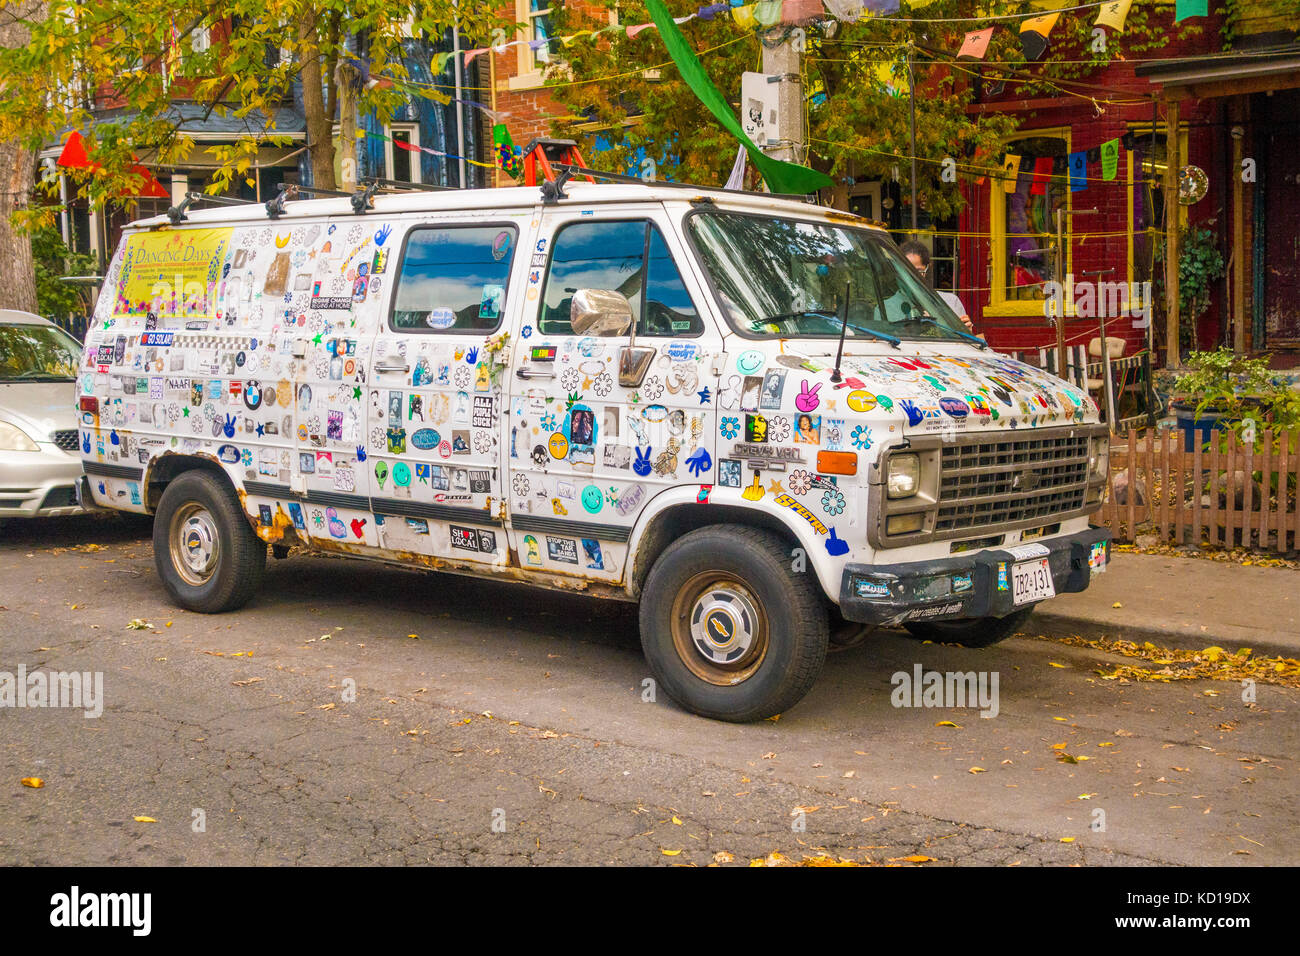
(17, 175)
(116, 68)
(855, 76)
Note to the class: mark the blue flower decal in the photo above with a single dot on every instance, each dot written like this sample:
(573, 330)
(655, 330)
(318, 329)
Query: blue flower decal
(861, 437)
(247, 457)
(833, 502)
(730, 427)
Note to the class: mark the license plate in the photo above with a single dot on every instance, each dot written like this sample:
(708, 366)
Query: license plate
(1031, 581)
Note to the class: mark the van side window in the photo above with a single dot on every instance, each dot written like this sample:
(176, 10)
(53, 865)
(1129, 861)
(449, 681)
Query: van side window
(615, 256)
(454, 278)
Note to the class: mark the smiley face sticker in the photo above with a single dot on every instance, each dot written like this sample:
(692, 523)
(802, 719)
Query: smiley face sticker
(592, 499)
(559, 445)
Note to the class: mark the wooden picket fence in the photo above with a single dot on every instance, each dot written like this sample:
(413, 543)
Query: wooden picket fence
(1232, 496)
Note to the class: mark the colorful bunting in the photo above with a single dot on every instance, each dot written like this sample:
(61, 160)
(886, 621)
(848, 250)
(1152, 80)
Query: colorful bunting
(1114, 14)
(976, 44)
(1078, 171)
(1109, 159)
(1010, 172)
(1042, 176)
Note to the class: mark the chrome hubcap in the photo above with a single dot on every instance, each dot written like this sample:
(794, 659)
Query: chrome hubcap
(723, 625)
(195, 545)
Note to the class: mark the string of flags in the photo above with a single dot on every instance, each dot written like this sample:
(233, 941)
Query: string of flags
(1034, 29)
(1075, 164)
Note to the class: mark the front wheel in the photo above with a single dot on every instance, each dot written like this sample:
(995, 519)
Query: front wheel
(980, 632)
(729, 630)
(208, 557)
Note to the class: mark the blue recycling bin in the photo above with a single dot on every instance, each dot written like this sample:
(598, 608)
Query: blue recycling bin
(1196, 429)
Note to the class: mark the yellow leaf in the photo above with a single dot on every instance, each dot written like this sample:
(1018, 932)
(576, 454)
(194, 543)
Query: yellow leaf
(1106, 743)
(722, 856)
(947, 723)
(670, 852)
(915, 858)
(144, 819)
(677, 821)
(1058, 746)
(325, 707)
(1117, 604)
(34, 782)
(1067, 839)
(978, 770)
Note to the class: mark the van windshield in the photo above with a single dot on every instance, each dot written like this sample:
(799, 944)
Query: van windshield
(786, 278)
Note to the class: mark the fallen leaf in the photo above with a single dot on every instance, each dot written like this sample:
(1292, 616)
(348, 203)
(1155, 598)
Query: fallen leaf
(1117, 604)
(1054, 664)
(34, 782)
(326, 707)
(978, 770)
(1067, 839)
(137, 624)
(670, 852)
(722, 856)
(677, 821)
(849, 773)
(245, 683)
(914, 858)
(770, 755)
(947, 723)
(144, 820)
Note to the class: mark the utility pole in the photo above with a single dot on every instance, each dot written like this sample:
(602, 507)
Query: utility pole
(911, 93)
(782, 59)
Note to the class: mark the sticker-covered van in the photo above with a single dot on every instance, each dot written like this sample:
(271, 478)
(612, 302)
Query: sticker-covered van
(748, 414)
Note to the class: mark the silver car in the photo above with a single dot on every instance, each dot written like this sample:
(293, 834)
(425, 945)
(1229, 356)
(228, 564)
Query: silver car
(39, 464)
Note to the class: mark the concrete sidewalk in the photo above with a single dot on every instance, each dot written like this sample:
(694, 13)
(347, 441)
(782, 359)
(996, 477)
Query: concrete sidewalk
(1187, 603)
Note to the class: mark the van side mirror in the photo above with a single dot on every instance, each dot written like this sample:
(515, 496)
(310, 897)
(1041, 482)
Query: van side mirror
(600, 312)
(603, 312)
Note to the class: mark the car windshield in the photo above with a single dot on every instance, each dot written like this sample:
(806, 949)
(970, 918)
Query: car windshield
(37, 353)
(786, 278)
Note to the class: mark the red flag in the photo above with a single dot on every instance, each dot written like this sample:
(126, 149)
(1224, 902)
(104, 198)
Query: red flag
(150, 188)
(1042, 173)
(74, 153)
(976, 44)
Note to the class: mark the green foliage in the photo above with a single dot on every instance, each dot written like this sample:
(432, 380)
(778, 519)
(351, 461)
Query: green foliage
(53, 260)
(1243, 391)
(138, 57)
(1200, 263)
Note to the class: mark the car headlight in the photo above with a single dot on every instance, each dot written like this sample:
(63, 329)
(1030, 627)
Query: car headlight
(904, 476)
(1098, 456)
(13, 438)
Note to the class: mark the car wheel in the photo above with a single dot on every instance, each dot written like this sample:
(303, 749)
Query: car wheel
(206, 553)
(729, 631)
(980, 632)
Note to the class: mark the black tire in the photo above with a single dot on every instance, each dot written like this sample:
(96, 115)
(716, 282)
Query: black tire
(777, 624)
(203, 546)
(980, 632)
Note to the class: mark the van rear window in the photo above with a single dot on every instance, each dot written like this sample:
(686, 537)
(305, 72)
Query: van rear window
(454, 278)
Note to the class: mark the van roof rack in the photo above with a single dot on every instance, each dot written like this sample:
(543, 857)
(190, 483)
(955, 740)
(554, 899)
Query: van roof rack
(637, 181)
(362, 198)
(177, 213)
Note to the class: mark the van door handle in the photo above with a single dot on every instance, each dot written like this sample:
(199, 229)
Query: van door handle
(389, 367)
(533, 373)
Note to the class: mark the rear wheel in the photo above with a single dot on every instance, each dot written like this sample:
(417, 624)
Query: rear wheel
(206, 553)
(729, 630)
(980, 632)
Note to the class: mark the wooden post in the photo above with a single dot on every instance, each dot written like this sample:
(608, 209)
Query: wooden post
(1061, 259)
(1239, 267)
(1173, 357)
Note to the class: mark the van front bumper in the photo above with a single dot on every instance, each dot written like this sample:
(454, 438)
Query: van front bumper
(967, 586)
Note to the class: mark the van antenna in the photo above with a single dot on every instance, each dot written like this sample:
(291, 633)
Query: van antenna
(836, 377)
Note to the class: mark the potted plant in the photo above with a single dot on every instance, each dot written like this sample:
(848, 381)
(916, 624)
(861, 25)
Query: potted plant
(1200, 263)
(1222, 389)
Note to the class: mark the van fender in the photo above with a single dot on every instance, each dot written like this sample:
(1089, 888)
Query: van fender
(719, 505)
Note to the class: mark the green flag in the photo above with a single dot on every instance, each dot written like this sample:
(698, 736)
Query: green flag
(781, 177)
(1190, 8)
(1109, 159)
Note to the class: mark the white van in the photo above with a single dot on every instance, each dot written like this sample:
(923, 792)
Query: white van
(748, 414)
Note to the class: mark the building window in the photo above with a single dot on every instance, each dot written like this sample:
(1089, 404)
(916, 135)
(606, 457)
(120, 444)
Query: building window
(401, 153)
(454, 279)
(1023, 225)
(539, 49)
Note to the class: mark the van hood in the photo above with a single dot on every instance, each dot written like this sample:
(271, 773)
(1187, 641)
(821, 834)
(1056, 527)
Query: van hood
(39, 408)
(927, 390)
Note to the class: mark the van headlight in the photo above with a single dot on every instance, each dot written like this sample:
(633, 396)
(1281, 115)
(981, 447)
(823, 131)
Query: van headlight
(1098, 456)
(904, 476)
(13, 438)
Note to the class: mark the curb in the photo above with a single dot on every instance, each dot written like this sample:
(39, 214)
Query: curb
(1064, 625)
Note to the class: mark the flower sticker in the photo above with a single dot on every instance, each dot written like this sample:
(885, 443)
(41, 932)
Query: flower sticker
(833, 502)
(861, 437)
(521, 485)
(730, 426)
(653, 388)
(799, 482)
(603, 384)
(778, 428)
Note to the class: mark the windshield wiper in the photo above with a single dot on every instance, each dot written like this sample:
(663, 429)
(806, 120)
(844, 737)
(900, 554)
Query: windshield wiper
(826, 314)
(928, 320)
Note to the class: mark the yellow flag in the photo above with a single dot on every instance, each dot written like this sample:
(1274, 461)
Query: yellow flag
(744, 16)
(1114, 14)
(1010, 172)
(1040, 25)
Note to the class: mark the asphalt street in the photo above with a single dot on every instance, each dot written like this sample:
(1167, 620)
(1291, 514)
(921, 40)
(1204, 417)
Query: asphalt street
(360, 713)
